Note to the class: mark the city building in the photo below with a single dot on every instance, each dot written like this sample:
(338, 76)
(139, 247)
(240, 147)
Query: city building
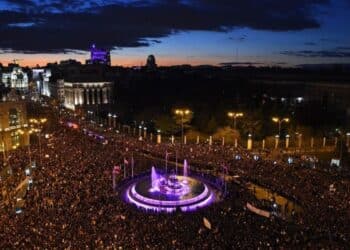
(15, 77)
(99, 56)
(57, 90)
(85, 94)
(41, 77)
(13, 125)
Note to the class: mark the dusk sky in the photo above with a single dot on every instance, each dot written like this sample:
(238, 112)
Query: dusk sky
(265, 32)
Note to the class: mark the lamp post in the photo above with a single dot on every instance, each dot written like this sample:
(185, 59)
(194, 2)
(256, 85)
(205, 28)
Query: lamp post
(279, 121)
(114, 121)
(234, 116)
(140, 131)
(145, 132)
(340, 134)
(159, 137)
(182, 113)
(249, 142)
(109, 120)
(287, 141)
(300, 137)
(277, 138)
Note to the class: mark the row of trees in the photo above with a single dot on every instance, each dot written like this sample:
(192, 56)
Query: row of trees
(153, 99)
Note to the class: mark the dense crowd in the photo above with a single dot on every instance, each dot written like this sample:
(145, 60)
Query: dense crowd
(72, 204)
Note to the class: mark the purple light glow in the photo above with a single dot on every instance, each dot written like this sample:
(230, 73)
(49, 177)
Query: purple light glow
(169, 203)
(174, 192)
(100, 55)
(203, 203)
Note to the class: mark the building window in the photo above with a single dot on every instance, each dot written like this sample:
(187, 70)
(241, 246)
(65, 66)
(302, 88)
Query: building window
(13, 117)
(14, 139)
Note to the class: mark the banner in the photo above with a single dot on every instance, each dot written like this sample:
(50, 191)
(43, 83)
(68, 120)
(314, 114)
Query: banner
(258, 211)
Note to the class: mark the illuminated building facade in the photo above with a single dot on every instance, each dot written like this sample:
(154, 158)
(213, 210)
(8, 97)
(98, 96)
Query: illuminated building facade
(42, 79)
(13, 125)
(99, 56)
(57, 90)
(84, 94)
(15, 78)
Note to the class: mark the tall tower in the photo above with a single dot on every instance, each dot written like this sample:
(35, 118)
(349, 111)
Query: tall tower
(99, 56)
(151, 63)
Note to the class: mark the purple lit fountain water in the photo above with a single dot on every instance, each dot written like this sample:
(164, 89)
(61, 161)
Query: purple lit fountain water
(154, 178)
(163, 192)
(185, 168)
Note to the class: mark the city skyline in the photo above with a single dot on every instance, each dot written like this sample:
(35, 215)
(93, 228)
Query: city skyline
(201, 32)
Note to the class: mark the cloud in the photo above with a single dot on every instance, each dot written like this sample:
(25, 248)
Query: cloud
(328, 40)
(20, 3)
(344, 66)
(335, 53)
(310, 43)
(240, 63)
(342, 48)
(64, 51)
(75, 24)
(239, 39)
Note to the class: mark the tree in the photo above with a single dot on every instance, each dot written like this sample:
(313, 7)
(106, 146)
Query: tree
(228, 133)
(250, 126)
(166, 124)
(212, 125)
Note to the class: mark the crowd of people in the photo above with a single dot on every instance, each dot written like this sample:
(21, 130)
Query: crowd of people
(72, 204)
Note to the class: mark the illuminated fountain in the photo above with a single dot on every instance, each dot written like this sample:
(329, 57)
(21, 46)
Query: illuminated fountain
(185, 168)
(164, 192)
(154, 177)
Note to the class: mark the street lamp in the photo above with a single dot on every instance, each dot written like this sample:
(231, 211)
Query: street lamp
(109, 120)
(182, 113)
(280, 121)
(341, 146)
(115, 121)
(140, 131)
(234, 116)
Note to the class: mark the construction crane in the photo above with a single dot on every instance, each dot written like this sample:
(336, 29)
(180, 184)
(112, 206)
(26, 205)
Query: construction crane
(15, 61)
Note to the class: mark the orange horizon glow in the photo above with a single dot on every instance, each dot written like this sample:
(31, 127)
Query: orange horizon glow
(32, 60)
(43, 60)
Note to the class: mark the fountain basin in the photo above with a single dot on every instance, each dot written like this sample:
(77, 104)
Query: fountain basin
(168, 193)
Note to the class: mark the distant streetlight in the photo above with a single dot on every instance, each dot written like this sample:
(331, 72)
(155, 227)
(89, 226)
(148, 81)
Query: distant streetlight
(140, 131)
(279, 121)
(234, 116)
(114, 121)
(109, 120)
(182, 113)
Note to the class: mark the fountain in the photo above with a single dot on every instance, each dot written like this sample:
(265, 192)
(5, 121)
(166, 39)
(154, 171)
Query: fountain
(163, 192)
(154, 177)
(185, 168)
